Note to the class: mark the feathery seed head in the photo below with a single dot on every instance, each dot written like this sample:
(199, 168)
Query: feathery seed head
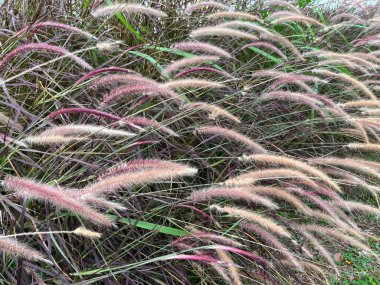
(30, 189)
(37, 26)
(232, 193)
(221, 32)
(214, 110)
(202, 47)
(233, 14)
(206, 4)
(177, 65)
(253, 217)
(81, 231)
(118, 93)
(128, 179)
(43, 47)
(127, 8)
(20, 249)
(230, 134)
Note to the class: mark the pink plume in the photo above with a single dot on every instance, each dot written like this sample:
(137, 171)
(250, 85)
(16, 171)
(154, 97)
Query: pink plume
(43, 47)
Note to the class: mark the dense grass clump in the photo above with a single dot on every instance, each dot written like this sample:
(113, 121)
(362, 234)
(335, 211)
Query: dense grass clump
(169, 142)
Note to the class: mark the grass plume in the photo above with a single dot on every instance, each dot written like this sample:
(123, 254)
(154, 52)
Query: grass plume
(221, 32)
(254, 217)
(214, 111)
(30, 189)
(17, 248)
(296, 164)
(127, 179)
(202, 47)
(231, 134)
(231, 193)
(127, 8)
(26, 48)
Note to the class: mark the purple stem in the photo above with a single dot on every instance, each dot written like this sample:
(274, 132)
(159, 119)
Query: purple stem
(198, 211)
(252, 256)
(193, 257)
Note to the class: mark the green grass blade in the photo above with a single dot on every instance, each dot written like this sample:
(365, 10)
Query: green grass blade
(152, 227)
(124, 21)
(267, 55)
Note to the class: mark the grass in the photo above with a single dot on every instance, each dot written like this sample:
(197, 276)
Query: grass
(152, 214)
(359, 269)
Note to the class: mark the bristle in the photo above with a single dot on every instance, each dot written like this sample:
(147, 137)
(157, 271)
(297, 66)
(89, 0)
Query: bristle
(20, 249)
(30, 189)
(51, 140)
(202, 47)
(81, 231)
(43, 47)
(119, 93)
(281, 194)
(254, 217)
(126, 179)
(337, 234)
(84, 129)
(357, 206)
(5, 120)
(95, 72)
(348, 79)
(73, 133)
(234, 273)
(253, 177)
(296, 164)
(231, 134)
(246, 25)
(233, 15)
(177, 65)
(360, 165)
(37, 26)
(206, 4)
(285, 42)
(268, 46)
(214, 110)
(127, 8)
(326, 254)
(192, 83)
(271, 240)
(280, 3)
(362, 103)
(232, 193)
(301, 19)
(296, 97)
(120, 78)
(221, 32)
(364, 147)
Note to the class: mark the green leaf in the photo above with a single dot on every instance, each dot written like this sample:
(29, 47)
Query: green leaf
(303, 3)
(86, 3)
(343, 70)
(149, 58)
(170, 50)
(153, 227)
(267, 55)
(124, 21)
(320, 13)
(264, 14)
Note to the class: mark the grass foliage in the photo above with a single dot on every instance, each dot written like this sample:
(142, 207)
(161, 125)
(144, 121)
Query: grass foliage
(171, 142)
